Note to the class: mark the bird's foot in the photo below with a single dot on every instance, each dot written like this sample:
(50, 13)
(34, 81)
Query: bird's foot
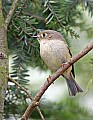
(48, 79)
(63, 64)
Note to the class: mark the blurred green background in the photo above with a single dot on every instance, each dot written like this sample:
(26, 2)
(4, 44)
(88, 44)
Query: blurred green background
(73, 19)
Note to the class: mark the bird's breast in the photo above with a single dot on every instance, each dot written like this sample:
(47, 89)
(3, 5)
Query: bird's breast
(54, 53)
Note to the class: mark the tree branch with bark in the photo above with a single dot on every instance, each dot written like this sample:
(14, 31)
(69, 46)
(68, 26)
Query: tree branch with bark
(28, 95)
(11, 12)
(52, 78)
(3, 61)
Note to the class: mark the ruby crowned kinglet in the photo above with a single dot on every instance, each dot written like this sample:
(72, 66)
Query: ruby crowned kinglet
(55, 52)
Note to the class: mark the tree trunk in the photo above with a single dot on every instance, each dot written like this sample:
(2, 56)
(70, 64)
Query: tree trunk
(3, 61)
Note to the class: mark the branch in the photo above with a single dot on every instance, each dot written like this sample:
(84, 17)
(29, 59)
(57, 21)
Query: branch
(16, 83)
(35, 16)
(59, 21)
(41, 115)
(52, 78)
(11, 12)
(71, 6)
(31, 25)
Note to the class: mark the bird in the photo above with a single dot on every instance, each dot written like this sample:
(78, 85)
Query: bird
(55, 52)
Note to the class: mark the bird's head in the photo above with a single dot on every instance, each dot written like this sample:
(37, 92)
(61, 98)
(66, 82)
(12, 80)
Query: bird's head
(46, 35)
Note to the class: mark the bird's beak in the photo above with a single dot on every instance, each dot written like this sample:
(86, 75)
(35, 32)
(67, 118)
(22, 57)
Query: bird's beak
(34, 36)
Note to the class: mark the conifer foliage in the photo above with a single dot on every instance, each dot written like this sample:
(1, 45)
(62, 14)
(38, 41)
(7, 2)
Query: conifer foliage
(30, 17)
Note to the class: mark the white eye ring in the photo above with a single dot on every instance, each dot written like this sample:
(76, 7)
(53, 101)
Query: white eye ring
(43, 35)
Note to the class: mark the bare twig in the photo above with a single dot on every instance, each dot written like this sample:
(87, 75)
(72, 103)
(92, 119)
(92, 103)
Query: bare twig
(41, 115)
(88, 86)
(16, 83)
(11, 12)
(51, 79)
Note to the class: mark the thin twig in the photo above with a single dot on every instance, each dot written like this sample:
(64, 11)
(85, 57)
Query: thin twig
(31, 25)
(42, 117)
(88, 86)
(51, 79)
(35, 16)
(16, 83)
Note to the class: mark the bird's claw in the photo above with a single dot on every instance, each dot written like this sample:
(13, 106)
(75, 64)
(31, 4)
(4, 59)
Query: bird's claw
(48, 79)
(63, 64)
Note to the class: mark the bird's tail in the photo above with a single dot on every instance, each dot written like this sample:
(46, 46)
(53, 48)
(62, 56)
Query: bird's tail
(73, 87)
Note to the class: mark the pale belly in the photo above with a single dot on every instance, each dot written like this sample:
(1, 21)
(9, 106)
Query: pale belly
(54, 53)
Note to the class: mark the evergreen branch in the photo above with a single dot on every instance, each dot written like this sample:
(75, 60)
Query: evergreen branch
(19, 71)
(62, 20)
(11, 12)
(52, 78)
(31, 25)
(71, 6)
(50, 8)
(15, 25)
(20, 60)
(27, 93)
(35, 16)
(88, 4)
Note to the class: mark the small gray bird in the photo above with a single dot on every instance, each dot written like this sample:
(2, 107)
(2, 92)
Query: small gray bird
(55, 52)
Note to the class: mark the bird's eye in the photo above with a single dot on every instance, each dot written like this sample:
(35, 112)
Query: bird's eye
(43, 35)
